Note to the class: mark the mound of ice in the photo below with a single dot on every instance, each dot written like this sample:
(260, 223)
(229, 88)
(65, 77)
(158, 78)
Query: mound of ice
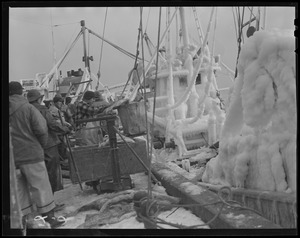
(258, 142)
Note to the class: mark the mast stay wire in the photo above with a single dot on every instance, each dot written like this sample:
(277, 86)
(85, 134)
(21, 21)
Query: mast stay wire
(153, 113)
(101, 52)
(113, 45)
(50, 75)
(251, 13)
(235, 24)
(144, 82)
(145, 103)
(135, 61)
(240, 28)
(147, 19)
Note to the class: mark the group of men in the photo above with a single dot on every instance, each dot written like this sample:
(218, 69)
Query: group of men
(37, 134)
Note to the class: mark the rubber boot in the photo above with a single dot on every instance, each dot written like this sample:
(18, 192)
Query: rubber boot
(53, 220)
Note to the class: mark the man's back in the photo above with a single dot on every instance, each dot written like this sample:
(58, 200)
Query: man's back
(29, 130)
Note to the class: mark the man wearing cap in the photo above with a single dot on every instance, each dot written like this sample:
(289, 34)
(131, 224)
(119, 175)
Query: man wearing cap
(29, 136)
(58, 115)
(94, 133)
(52, 159)
(55, 109)
(85, 110)
(70, 110)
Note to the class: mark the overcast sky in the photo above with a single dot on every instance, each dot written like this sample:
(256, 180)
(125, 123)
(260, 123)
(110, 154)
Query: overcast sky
(32, 40)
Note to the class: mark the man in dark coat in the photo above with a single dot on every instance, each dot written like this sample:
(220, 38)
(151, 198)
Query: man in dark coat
(29, 136)
(52, 159)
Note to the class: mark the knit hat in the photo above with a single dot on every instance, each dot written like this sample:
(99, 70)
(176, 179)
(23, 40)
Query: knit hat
(58, 98)
(33, 95)
(89, 95)
(15, 88)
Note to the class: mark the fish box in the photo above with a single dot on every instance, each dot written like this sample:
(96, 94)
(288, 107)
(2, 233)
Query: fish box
(132, 118)
(94, 162)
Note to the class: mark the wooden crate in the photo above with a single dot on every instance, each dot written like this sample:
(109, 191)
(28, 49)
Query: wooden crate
(94, 163)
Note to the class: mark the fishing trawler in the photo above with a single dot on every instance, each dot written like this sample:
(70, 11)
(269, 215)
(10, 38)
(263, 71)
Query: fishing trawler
(176, 97)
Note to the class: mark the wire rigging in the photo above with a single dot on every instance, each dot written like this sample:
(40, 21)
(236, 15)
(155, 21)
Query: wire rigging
(101, 51)
(144, 82)
(240, 35)
(153, 113)
(135, 61)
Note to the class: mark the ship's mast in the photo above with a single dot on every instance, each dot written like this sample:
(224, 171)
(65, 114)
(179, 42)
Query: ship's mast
(85, 57)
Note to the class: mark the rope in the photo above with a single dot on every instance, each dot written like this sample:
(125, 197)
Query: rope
(154, 104)
(136, 57)
(240, 24)
(147, 40)
(101, 52)
(113, 45)
(251, 13)
(155, 221)
(50, 75)
(133, 94)
(235, 27)
(147, 19)
(144, 94)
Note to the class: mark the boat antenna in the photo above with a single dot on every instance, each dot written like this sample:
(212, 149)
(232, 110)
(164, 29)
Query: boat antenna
(99, 74)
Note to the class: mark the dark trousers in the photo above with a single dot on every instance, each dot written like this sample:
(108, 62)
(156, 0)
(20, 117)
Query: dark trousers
(52, 162)
(62, 149)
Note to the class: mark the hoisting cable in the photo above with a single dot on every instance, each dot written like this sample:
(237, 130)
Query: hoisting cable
(239, 39)
(234, 20)
(76, 29)
(148, 42)
(251, 13)
(133, 94)
(113, 45)
(153, 115)
(101, 51)
(144, 95)
(50, 75)
(147, 20)
(222, 105)
(135, 62)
